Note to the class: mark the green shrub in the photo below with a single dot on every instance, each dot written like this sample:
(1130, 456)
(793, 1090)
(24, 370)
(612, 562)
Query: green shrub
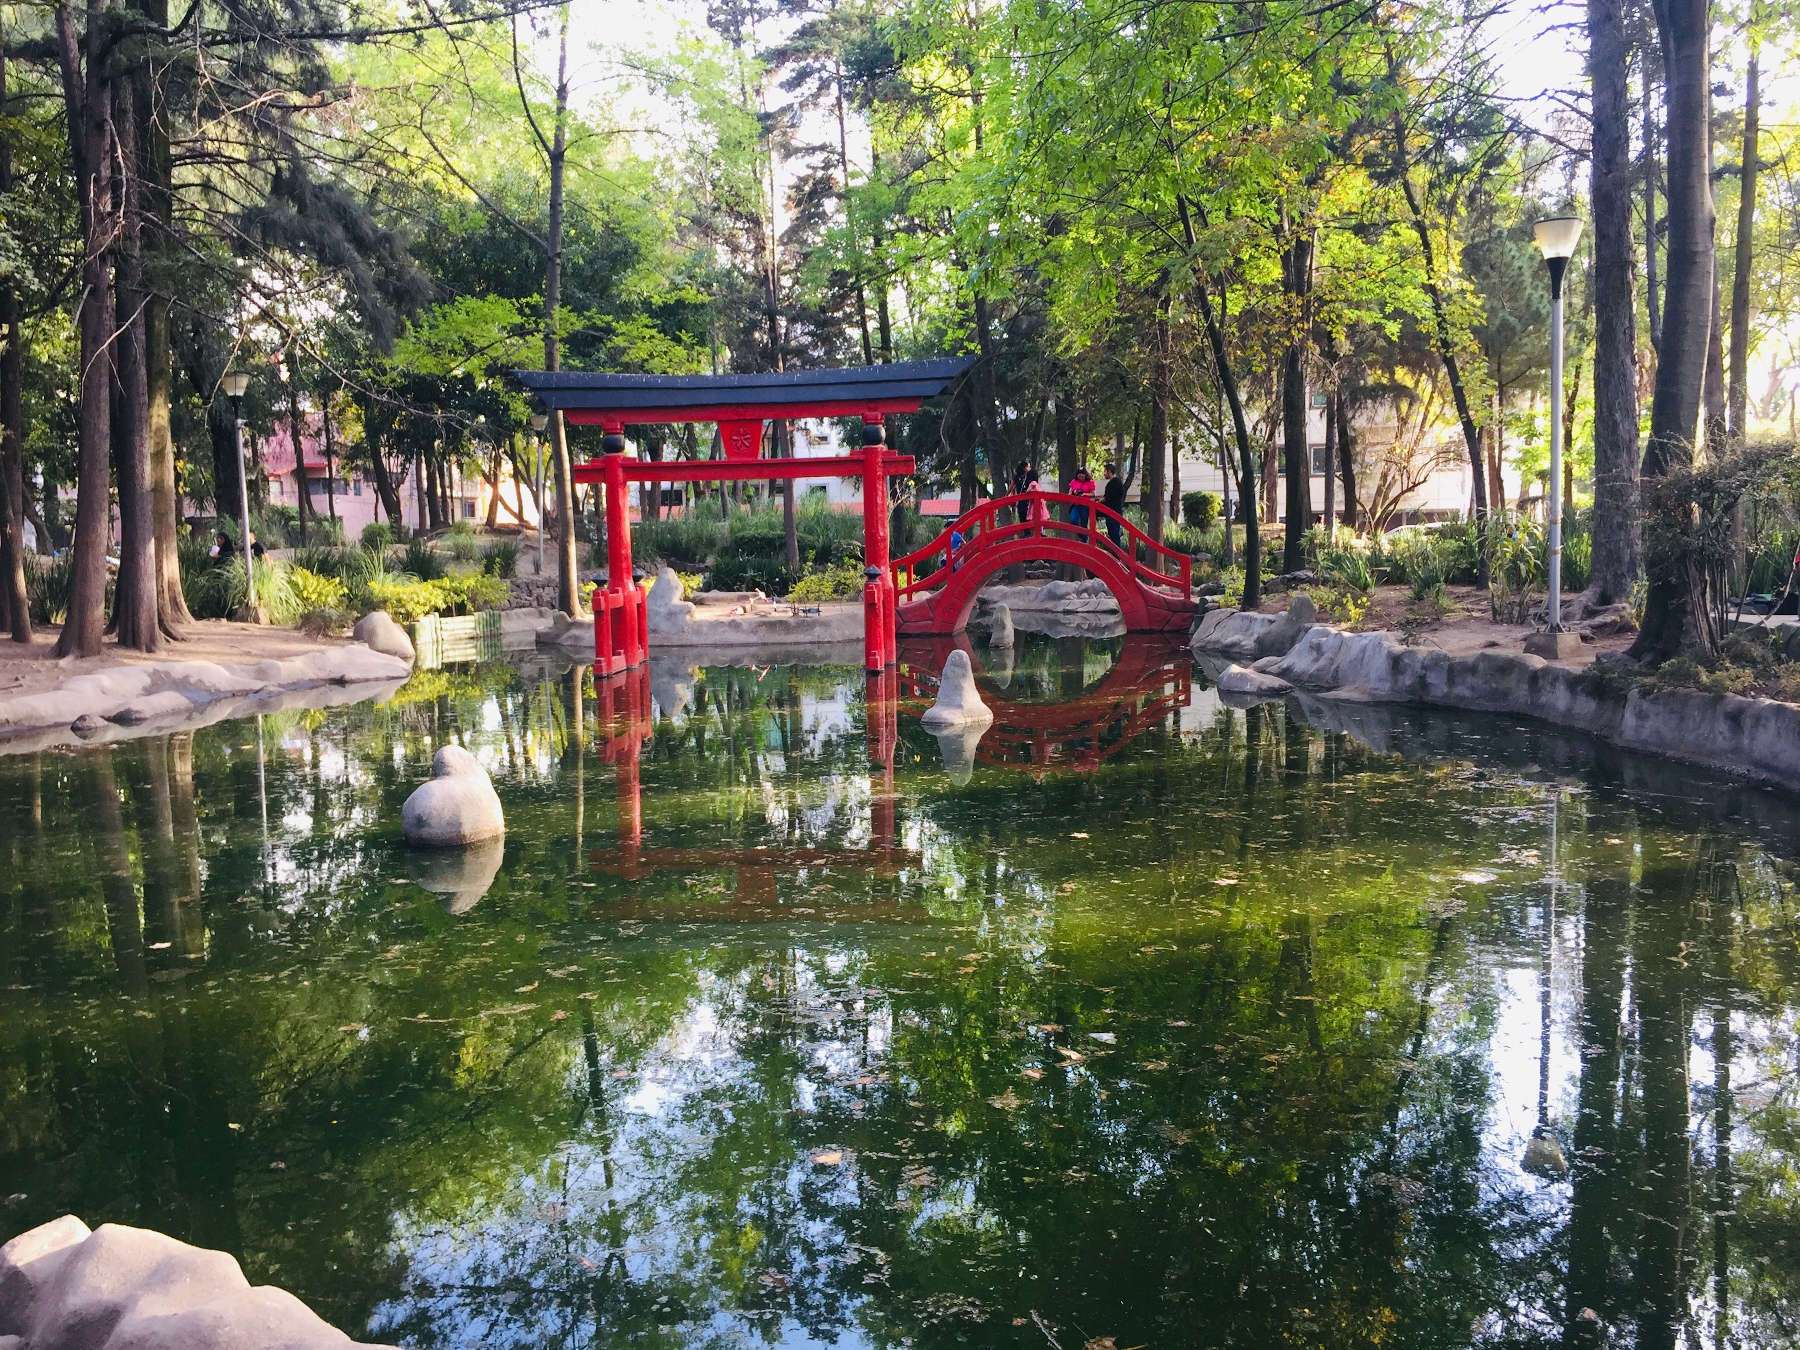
(1339, 604)
(462, 546)
(49, 583)
(316, 591)
(502, 559)
(1578, 552)
(745, 572)
(1516, 566)
(1232, 579)
(1346, 568)
(318, 623)
(1199, 509)
(842, 582)
(409, 599)
(377, 534)
(421, 561)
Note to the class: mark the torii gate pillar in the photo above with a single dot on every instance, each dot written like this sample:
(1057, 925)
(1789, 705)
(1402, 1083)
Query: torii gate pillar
(880, 639)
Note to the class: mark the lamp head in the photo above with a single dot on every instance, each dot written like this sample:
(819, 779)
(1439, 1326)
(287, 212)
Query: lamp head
(539, 421)
(234, 383)
(1556, 236)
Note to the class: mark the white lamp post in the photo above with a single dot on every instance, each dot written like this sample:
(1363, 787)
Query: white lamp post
(1556, 237)
(539, 421)
(233, 384)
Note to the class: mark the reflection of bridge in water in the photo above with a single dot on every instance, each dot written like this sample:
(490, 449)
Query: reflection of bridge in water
(626, 725)
(1144, 690)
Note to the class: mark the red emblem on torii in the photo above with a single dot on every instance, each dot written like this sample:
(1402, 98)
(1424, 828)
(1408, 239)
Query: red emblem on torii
(740, 405)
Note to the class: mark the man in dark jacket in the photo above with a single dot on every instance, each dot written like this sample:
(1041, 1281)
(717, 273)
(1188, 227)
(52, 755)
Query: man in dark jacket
(1113, 498)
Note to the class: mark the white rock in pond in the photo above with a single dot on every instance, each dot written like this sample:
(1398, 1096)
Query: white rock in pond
(457, 806)
(377, 631)
(63, 1287)
(1000, 627)
(958, 701)
(664, 609)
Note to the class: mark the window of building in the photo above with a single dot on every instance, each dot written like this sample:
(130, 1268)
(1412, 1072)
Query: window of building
(468, 508)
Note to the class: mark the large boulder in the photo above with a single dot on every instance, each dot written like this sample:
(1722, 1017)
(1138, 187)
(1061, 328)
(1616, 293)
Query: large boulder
(456, 806)
(64, 1287)
(958, 700)
(1280, 636)
(1255, 683)
(377, 631)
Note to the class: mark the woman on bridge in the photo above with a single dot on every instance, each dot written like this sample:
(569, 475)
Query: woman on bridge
(1081, 485)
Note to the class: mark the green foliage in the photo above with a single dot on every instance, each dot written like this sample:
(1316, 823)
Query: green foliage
(377, 534)
(314, 591)
(1346, 568)
(409, 599)
(1578, 552)
(844, 581)
(1516, 560)
(750, 572)
(49, 582)
(502, 559)
(1199, 509)
(1342, 605)
(1232, 579)
(421, 560)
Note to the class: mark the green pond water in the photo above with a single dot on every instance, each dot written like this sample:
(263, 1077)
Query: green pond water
(1143, 1022)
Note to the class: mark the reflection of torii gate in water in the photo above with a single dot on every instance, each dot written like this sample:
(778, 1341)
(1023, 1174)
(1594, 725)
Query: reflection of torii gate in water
(740, 404)
(625, 726)
(1151, 679)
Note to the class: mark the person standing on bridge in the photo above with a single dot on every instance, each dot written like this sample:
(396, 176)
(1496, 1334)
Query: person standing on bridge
(1081, 485)
(1113, 498)
(1025, 479)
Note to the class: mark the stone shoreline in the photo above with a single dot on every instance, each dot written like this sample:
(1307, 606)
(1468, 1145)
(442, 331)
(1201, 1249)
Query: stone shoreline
(1754, 738)
(118, 702)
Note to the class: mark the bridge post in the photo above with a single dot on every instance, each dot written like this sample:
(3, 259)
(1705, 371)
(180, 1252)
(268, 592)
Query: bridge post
(880, 642)
(625, 638)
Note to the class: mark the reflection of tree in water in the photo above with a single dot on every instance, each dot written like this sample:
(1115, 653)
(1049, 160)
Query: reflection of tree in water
(1101, 1088)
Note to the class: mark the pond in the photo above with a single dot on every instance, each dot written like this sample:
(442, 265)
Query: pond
(1141, 1021)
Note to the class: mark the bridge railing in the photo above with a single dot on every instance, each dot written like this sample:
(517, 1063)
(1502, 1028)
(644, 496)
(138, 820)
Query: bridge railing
(996, 522)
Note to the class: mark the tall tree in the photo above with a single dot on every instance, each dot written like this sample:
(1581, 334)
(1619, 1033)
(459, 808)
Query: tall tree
(1676, 612)
(1616, 557)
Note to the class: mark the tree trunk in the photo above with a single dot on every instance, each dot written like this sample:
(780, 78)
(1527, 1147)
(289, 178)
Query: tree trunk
(91, 159)
(1240, 427)
(1156, 461)
(1652, 185)
(1442, 340)
(1346, 462)
(296, 437)
(1330, 468)
(325, 429)
(15, 603)
(1296, 266)
(134, 600)
(1743, 259)
(1675, 613)
(1271, 506)
(1616, 558)
(568, 573)
(155, 176)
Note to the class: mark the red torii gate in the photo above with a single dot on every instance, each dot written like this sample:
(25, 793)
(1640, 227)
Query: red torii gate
(740, 404)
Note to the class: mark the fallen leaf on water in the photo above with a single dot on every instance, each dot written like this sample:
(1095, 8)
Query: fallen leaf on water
(1034, 1074)
(1051, 1027)
(1078, 834)
(1071, 1056)
(526, 988)
(559, 1016)
(1007, 1101)
(827, 1157)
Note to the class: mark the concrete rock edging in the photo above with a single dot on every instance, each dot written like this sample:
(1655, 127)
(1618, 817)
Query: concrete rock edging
(1755, 738)
(166, 693)
(66, 1287)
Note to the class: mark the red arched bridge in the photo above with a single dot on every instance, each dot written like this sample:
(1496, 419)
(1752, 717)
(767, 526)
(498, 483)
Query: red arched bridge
(936, 586)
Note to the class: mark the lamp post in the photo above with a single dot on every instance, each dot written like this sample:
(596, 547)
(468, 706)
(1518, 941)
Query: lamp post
(1556, 237)
(539, 421)
(234, 383)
